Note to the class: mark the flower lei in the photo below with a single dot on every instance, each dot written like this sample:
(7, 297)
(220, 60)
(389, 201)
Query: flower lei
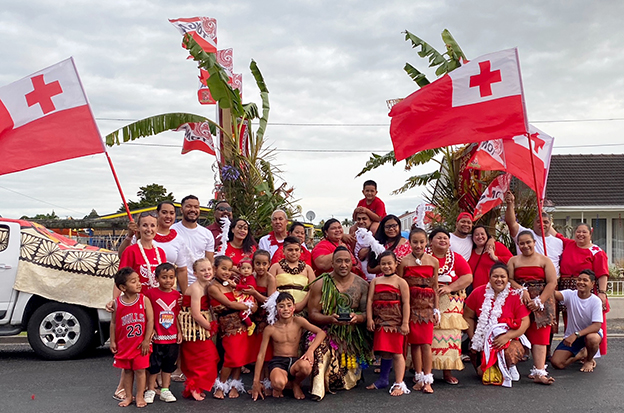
(489, 315)
(150, 273)
(166, 238)
(449, 262)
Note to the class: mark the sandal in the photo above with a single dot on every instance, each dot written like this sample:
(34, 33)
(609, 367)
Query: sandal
(120, 395)
(178, 377)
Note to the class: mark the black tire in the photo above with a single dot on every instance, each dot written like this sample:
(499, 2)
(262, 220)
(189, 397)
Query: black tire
(59, 331)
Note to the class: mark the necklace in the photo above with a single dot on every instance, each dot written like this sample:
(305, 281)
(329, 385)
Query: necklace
(150, 274)
(418, 259)
(287, 269)
(449, 262)
(165, 238)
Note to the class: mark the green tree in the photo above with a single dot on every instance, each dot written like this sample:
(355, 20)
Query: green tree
(51, 215)
(93, 214)
(150, 195)
(247, 178)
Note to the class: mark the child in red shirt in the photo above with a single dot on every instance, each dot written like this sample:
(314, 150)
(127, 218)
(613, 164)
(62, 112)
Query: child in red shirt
(131, 328)
(371, 205)
(167, 332)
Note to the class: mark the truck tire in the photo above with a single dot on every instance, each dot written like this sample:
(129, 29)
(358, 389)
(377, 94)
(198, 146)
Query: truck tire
(59, 331)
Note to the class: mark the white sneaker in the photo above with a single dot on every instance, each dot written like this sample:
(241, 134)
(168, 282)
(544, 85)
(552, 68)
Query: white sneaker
(167, 396)
(513, 371)
(149, 396)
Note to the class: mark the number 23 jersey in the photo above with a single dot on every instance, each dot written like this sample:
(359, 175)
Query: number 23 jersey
(129, 327)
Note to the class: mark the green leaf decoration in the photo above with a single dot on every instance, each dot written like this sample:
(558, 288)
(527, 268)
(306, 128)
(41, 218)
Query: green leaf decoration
(154, 125)
(416, 75)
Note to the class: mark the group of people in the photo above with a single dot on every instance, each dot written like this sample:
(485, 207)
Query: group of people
(201, 304)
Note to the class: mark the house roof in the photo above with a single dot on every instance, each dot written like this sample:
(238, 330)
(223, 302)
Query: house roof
(586, 180)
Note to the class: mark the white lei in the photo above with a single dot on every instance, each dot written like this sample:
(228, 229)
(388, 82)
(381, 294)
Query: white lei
(150, 273)
(489, 315)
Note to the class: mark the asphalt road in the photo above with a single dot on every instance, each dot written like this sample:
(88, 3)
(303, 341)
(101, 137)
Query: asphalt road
(28, 384)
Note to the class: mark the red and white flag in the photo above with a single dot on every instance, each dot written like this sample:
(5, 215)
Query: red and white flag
(226, 60)
(46, 118)
(479, 101)
(492, 196)
(197, 137)
(513, 156)
(202, 29)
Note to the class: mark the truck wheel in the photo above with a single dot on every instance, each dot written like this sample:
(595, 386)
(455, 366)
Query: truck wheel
(59, 331)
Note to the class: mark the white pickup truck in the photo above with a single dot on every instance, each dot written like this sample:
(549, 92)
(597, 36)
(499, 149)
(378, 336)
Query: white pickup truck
(54, 288)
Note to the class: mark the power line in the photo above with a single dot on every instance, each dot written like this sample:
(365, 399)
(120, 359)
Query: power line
(378, 125)
(39, 200)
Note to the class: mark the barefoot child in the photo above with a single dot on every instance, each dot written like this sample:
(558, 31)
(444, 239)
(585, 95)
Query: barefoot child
(131, 328)
(285, 336)
(237, 344)
(387, 313)
(167, 336)
(199, 357)
(420, 270)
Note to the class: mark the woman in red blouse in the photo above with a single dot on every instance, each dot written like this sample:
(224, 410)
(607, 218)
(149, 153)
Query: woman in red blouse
(483, 256)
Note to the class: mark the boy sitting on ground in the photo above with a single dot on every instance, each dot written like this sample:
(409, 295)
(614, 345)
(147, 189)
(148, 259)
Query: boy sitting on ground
(285, 335)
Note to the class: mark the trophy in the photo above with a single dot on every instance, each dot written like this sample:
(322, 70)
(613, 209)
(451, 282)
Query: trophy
(344, 307)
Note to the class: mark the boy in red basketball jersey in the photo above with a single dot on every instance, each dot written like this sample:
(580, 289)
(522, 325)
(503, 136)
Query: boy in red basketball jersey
(167, 332)
(131, 328)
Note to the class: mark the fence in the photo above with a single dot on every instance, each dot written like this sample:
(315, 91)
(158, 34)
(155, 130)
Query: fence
(615, 288)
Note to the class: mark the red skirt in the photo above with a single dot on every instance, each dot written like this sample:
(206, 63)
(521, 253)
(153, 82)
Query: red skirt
(239, 350)
(199, 361)
(538, 336)
(420, 333)
(388, 342)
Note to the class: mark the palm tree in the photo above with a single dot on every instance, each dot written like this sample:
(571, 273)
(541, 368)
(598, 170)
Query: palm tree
(247, 177)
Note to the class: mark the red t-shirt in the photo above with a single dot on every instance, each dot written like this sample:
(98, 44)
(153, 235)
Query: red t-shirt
(237, 254)
(305, 255)
(166, 310)
(481, 272)
(513, 309)
(377, 206)
(326, 247)
(574, 259)
(129, 327)
(460, 267)
(132, 257)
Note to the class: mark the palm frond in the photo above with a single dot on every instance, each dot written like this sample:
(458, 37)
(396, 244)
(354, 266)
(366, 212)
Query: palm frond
(418, 180)
(375, 161)
(155, 125)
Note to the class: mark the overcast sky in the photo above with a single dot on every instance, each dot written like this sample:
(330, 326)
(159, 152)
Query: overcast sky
(323, 62)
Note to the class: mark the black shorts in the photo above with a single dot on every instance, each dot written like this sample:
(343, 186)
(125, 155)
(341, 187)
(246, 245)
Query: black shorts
(283, 363)
(163, 357)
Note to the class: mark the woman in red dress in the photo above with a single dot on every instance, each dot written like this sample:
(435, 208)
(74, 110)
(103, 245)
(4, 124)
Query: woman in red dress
(323, 251)
(241, 243)
(483, 256)
(238, 345)
(389, 235)
(420, 270)
(535, 274)
(582, 254)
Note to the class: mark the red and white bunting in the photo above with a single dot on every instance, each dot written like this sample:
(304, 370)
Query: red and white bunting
(203, 30)
(493, 195)
(197, 137)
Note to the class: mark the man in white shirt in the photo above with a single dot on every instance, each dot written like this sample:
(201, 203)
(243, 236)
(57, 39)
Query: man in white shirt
(554, 246)
(199, 240)
(461, 239)
(272, 241)
(583, 334)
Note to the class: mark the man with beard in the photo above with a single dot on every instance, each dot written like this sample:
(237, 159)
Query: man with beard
(221, 209)
(339, 360)
(362, 220)
(199, 241)
(461, 239)
(272, 241)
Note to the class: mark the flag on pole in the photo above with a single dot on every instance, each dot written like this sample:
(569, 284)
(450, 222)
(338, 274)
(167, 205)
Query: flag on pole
(492, 196)
(202, 29)
(197, 137)
(481, 100)
(46, 118)
(513, 156)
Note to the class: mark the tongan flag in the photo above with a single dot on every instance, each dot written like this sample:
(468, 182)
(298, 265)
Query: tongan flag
(479, 101)
(513, 156)
(45, 118)
(197, 137)
(492, 196)
(202, 29)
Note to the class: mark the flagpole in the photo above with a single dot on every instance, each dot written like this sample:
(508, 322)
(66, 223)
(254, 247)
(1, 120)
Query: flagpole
(537, 194)
(123, 198)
